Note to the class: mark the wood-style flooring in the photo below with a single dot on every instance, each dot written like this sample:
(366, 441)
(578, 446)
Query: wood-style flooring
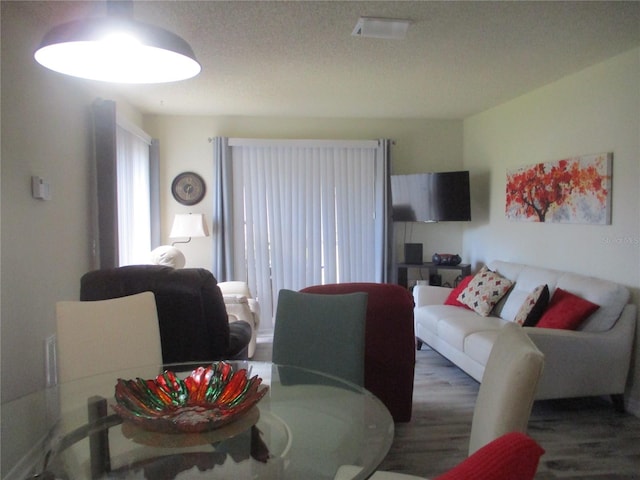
(583, 438)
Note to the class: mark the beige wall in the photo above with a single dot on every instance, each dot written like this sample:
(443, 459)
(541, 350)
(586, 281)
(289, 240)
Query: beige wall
(45, 244)
(46, 131)
(596, 110)
(421, 146)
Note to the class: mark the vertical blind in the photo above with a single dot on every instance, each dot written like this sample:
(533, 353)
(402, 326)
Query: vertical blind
(307, 212)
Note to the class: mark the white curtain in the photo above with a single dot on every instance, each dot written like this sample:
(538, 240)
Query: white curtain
(134, 198)
(307, 212)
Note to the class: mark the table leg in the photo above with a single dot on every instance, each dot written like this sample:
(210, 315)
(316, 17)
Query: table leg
(98, 438)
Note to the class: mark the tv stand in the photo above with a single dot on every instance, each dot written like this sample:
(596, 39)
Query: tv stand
(403, 269)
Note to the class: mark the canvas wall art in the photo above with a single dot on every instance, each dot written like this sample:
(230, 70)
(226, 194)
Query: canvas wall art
(573, 190)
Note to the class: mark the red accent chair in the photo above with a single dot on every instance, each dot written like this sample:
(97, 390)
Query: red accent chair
(390, 355)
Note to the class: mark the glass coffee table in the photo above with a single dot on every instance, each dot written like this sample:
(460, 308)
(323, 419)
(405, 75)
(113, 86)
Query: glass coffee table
(307, 426)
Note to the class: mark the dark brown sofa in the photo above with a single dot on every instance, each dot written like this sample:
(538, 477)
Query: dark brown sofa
(193, 321)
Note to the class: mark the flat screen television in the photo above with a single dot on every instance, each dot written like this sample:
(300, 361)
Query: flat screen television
(431, 197)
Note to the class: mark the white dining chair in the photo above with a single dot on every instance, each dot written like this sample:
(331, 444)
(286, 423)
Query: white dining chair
(97, 337)
(505, 396)
(106, 335)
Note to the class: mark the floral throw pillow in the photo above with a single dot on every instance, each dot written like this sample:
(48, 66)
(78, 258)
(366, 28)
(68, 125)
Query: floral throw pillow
(484, 291)
(533, 307)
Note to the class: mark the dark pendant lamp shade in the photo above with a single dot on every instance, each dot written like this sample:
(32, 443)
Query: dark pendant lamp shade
(117, 49)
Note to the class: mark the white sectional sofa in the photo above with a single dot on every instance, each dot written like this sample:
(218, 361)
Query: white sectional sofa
(592, 360)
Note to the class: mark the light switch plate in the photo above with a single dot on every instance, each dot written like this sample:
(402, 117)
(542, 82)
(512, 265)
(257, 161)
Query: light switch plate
(40, 188)
(50, 362)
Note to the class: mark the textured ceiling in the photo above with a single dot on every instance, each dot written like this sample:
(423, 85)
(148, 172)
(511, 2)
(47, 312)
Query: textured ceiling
(298, 58)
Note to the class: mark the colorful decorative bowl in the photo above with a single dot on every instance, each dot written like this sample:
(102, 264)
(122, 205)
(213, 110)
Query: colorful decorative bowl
(207, 399)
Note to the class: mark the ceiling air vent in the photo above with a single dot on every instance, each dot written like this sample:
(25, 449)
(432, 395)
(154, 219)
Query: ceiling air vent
(381, 28)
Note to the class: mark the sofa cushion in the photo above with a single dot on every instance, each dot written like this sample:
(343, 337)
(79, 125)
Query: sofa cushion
(428, 316)
(566, 311)
(477, 346)
(513, 456)
(456, 328)
(485, 289)
(612, 298)
(526, 280)
(452, 299)
(533, 307)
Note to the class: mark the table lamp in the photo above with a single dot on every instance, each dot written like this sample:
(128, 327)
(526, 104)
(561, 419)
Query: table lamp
(185, 225)
(188, 225)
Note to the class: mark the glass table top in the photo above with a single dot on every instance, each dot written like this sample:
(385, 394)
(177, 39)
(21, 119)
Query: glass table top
(307, 426)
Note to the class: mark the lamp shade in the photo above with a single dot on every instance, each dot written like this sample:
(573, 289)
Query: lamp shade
(117, 49)
(189, 225)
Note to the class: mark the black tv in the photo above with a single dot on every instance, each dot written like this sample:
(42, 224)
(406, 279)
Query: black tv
(431, 197)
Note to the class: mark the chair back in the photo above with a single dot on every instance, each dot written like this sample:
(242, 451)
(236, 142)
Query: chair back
(508, 387)
(390, 343)
(106, 335)
(321, 332)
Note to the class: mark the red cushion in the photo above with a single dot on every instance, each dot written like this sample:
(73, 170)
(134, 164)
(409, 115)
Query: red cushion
(452, 299)
(513, 456)
(566, 311)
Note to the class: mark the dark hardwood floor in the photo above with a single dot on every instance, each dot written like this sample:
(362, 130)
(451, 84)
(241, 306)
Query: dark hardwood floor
(583, 438)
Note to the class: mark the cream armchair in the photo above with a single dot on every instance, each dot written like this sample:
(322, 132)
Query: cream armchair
(242, 306)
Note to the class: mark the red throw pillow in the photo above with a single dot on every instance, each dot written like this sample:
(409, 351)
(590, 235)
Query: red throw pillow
(513, 456)
(452, 299)
(566, 311)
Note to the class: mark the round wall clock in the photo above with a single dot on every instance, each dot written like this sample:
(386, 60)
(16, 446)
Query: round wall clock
(188, 188)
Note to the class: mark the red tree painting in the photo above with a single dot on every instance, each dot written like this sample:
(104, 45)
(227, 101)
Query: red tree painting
(573, 190)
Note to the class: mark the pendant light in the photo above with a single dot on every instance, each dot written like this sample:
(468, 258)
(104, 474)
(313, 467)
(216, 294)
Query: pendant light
(117, 49)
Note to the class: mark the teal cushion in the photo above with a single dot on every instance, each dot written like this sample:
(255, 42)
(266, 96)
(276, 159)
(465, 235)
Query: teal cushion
(321, 332)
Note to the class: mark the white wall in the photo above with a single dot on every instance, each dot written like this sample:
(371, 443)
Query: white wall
(596, 110)
(421, 146)
(45, 244)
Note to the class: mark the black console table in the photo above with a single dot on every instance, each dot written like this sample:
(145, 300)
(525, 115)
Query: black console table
(403, 268)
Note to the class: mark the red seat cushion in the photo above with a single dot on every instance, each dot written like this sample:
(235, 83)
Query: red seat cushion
(513, 456)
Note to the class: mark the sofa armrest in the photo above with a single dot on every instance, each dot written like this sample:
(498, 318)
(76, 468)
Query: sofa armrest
(430, 295)
(239, 338)
(578, 363)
